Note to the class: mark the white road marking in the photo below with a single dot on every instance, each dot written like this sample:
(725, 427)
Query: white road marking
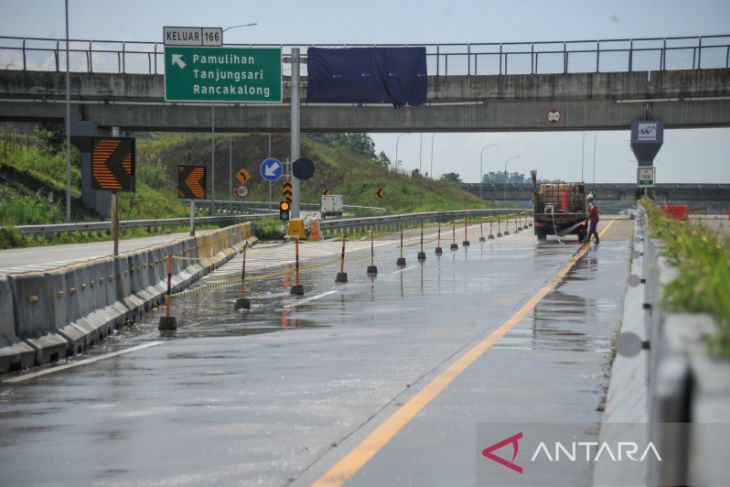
(307, 300)
(87, 361)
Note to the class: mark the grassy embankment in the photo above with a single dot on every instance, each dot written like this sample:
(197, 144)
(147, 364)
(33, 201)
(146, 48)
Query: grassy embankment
(704, 273)
(32, 182)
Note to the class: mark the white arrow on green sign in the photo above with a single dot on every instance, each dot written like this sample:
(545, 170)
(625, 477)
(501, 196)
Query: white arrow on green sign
(222, 74)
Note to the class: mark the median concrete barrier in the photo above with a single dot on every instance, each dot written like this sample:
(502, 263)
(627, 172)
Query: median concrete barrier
(138, 279)
(115, 309)
(59, 296)
(33, 317)
(65, 311)
(124, 289)
(80, 305)
(15, 354)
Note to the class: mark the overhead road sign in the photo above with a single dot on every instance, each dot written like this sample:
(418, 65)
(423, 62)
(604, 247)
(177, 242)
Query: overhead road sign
(223, 74)
(287, 190)
(243, 175)
(192, 36)
(272, 169)
(112, 163)
(191, 182)
(303, 168)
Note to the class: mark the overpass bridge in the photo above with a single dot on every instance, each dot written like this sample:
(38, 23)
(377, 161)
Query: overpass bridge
(597, 85)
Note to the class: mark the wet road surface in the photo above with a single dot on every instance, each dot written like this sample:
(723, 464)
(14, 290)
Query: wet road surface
(281, 393)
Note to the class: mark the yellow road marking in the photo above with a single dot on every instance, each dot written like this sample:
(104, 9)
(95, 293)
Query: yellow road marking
(346, 468)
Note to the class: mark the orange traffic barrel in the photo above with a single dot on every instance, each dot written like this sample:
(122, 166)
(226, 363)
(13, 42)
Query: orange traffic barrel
(314, 231)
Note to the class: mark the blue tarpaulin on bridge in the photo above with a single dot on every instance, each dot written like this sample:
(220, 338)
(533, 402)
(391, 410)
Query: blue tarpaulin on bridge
(394, 75)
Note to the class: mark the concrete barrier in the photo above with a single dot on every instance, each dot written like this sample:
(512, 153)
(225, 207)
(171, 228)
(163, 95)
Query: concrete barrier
(67, 310)
(15, 354)
(124, 289)
(33, 317)
(59, 296)
(138, 282)
(80, 305)
(114, 308)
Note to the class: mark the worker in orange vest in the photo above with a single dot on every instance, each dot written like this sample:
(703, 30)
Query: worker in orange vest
(593, 217)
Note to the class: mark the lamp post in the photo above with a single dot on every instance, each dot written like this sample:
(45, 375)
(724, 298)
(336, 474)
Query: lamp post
(396, 150)
(68, 129)
(433, 136)
(595, 136)
(505, 175)
(212, 145)
(481, 169)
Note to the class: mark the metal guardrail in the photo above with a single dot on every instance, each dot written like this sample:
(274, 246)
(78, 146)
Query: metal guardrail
(491, 58)
(331, 226)
(56, 228)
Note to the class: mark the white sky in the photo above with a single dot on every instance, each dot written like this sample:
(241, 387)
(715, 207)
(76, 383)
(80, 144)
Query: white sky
(697, 155)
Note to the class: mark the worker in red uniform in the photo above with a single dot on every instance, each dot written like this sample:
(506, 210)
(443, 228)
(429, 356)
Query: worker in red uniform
(593, 217)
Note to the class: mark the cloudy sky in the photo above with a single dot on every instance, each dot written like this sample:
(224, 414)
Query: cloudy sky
(697, 155)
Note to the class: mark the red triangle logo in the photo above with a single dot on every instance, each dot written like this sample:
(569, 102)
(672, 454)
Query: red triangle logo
(513, 440)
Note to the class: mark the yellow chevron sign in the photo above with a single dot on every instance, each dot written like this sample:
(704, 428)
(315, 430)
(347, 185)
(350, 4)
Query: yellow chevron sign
(287, 190)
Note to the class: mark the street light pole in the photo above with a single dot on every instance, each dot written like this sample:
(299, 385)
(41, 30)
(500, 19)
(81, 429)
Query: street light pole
(481, 169)
(505, 175)
(595, 136)
(582, 156)
(396, 150)
(420, 155)
(68, 129)
(433, 136)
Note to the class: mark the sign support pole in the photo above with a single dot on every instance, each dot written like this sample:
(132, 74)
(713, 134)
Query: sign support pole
(295, 106)
(115, 210)
(192, 217)
(212, 159)
(115, 223)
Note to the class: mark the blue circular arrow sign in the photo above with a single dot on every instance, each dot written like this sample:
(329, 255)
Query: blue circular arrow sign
(271, 169)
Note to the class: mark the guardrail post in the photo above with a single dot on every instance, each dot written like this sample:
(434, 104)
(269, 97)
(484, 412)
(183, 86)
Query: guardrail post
(243, 302)
(168, 322)
(439, 250)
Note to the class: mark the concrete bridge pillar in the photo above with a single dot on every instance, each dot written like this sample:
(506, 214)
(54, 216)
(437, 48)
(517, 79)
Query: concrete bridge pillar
(81, 133)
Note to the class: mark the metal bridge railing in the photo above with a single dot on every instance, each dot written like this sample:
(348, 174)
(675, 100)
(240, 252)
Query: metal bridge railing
(452, 59)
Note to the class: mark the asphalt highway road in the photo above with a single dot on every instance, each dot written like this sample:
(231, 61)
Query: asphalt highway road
(384, 381)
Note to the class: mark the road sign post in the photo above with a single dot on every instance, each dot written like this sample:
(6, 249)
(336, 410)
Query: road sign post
(223, 74)
(113, 169)
(191, 184)
(295, 127)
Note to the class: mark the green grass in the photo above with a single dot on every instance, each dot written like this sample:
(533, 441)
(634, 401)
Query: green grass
(702, 285)
(268, 229)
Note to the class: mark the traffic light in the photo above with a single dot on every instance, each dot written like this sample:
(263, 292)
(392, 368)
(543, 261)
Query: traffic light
(284, 207)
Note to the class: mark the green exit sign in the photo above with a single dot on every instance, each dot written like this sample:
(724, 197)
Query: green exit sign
(223, 74)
